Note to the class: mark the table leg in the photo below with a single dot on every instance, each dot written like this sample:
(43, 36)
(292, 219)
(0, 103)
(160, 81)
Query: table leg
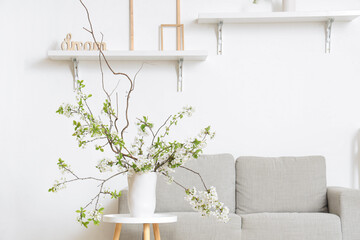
(156, 231)
(117, 231)
(146, 231)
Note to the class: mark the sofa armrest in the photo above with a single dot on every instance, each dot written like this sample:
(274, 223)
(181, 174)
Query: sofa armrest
(345, 203)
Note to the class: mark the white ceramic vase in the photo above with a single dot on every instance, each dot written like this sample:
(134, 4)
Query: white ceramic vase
(289, 5)
(142, 194)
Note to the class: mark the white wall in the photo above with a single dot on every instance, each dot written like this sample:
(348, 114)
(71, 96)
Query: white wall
(274, 92)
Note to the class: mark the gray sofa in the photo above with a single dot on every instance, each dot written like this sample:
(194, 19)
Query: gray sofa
(269, 199)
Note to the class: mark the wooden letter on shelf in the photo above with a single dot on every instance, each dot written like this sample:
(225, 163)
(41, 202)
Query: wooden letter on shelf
(66, 41)
(67, 44)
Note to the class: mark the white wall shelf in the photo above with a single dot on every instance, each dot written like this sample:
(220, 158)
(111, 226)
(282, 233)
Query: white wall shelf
(327, 17)
(179, 56)
(188, 55)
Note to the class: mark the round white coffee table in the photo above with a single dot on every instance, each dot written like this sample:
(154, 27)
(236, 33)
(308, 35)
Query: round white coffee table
(120, 219)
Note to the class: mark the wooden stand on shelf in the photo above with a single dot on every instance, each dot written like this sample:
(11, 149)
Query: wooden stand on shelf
(179, 27)
(179, 30)
(131, 25)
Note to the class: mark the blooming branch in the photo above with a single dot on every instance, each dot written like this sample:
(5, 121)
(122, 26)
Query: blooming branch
(207, 203)
(85, 217)
(138, 157)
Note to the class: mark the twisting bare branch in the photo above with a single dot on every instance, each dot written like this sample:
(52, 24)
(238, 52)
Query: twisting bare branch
(136, 74)
(101, 185)
(102, 72)
(202, 180)
(115, 88)
(117, 112)
(152, 142)
(159, 165)
(97, 196)
(177, 183)
(147, 125)
(78, 178)
(131, 88)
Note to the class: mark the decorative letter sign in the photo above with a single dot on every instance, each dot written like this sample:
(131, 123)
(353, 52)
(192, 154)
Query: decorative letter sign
(67, 44)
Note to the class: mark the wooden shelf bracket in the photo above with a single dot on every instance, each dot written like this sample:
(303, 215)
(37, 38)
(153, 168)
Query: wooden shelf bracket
(328, 35)
(220, 40)
(76, 72)
(180, 75)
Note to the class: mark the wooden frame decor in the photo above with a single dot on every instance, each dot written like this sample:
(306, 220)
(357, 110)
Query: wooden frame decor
(179, 30)
(180, 27)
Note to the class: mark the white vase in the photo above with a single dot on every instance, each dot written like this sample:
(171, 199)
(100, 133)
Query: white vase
(289, 5)
(142, 194)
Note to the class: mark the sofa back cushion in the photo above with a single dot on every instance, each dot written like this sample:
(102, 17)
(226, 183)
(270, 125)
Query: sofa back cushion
(285, 184)
(216, 170)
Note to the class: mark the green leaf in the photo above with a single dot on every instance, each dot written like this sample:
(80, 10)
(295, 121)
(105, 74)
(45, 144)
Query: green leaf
(85, 224)
(60, 110)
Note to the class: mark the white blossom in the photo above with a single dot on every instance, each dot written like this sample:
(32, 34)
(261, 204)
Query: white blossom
(95, 215)
(68, 110)
(105, 165)
(142, 133)
(59, 184)
(188, 110)
(207, 203)
(64, 170)
(166, 173)
(121, 168)
(146, 163)
(130, 172)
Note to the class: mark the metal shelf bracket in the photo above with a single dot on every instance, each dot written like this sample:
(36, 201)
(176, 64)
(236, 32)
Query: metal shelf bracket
(220, 40)
(180, 74)
(76, 72)
(328, 35)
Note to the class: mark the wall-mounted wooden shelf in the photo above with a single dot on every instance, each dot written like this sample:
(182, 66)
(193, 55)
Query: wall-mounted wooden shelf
(278, 17)
(179, 56)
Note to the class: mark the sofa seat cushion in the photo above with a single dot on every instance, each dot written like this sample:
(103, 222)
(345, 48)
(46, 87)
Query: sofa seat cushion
(284, 184)
(294, 226)
(190, 226)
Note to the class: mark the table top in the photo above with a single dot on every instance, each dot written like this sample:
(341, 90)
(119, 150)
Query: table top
(125, 218)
